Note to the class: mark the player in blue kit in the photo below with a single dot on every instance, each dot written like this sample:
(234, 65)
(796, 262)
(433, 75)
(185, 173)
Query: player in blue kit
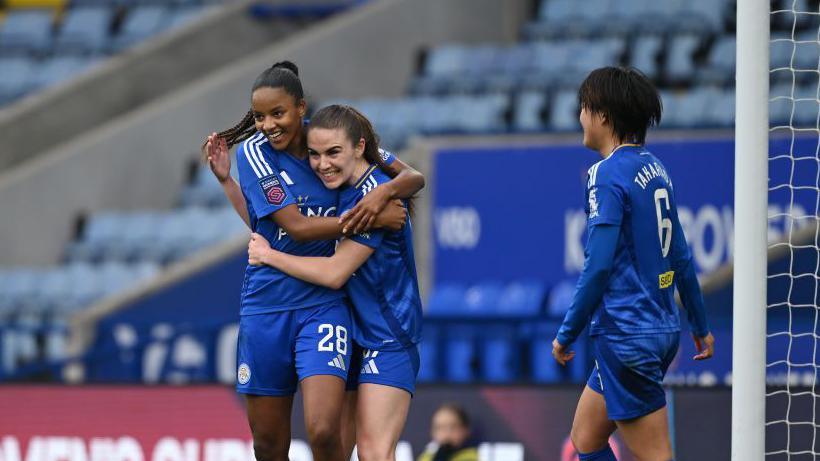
(290, 331)
(636, 254)
(378, 270)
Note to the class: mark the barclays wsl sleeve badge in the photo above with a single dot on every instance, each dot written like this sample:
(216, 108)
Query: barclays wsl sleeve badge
(273, 190)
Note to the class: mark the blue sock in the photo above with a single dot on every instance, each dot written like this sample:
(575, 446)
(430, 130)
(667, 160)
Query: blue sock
(604, 454)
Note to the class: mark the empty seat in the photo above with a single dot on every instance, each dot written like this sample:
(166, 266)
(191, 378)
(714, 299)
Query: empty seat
(141, 23)
(680, 65)
(16, 76)
(564, 113)
(61, 68)
(720, 67)
(28, 30)
(85, 30)
(645, 54)
(529, 111)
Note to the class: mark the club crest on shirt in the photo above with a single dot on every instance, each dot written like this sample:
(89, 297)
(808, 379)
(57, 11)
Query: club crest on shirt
(273, 190)
(593, 203)
(243, 375)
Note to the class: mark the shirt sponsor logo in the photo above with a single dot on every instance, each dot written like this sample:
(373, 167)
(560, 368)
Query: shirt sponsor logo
(665, 279)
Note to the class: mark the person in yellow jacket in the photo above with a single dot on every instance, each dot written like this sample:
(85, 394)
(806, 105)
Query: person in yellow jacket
(450, 431)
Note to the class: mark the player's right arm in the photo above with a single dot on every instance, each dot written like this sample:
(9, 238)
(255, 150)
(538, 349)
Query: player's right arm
(686, 281)
(216, 152)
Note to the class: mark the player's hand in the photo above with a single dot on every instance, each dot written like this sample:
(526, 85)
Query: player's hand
(362, 217)
(258, 249)
(705, 346)
(393, 217)
(560, 353)
(216, 152)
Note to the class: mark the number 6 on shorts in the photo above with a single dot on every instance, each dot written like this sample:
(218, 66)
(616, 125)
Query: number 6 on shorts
(326, 343)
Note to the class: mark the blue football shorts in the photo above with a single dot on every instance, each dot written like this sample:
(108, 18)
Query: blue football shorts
(629, 371)
(395, 368)
(277, 350)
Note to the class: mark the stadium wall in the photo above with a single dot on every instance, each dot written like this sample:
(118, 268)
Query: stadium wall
(140, 159)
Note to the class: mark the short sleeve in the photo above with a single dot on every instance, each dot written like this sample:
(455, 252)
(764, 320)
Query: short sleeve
(387, 157)
(372, 238)
(605, 198)
(260, 183)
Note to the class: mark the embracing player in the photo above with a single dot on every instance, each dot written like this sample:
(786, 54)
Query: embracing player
(636, 254)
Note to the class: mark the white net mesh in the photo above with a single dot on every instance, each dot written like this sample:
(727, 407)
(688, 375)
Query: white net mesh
(794, 204)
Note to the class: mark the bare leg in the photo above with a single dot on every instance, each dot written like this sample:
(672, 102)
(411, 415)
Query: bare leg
(591, 428)
(380, 418)
(269, 420)
(323, 399)
(648, 436)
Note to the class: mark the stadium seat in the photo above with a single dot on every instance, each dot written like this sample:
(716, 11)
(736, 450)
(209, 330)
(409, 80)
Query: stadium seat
(183, 15)
(61, 68)
(27, 30)
(528, 114)
(141, 23)
(680, 65)
(780, 104)
(720, 68)
(16, 76)
(564, 113)
(84, 30)
(644, 54)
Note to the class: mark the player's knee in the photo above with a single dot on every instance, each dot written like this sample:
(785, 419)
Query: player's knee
(270, 448)
(324, 437)
(373, 451)
(586, 442)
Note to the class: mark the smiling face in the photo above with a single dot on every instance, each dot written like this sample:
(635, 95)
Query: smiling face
(334, 158)
(279, 116)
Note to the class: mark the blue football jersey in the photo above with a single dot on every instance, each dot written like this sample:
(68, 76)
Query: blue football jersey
(631, 189)
(272, 180)
(384, 290)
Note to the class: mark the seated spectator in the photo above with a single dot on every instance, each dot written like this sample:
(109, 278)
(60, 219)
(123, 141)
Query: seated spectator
(450, 431)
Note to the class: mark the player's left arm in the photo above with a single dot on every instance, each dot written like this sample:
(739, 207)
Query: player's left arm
(406, 182)
(607, 199)
(601, 246)
(331, 271)
(686, 281)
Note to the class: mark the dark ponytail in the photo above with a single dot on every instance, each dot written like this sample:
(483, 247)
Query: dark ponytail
(356, 126)
(283, 74)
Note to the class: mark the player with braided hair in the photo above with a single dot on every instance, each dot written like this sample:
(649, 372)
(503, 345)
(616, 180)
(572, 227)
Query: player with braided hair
(293, 332)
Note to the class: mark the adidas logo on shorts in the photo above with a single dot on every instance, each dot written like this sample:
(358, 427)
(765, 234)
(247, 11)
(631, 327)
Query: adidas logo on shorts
(369, 367)
(338, 362)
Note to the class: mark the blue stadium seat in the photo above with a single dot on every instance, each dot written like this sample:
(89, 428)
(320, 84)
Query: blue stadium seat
(780, 104)
(720, 68)
(529, 108)
(27, 30)
(184, 15)
(564, 113)
(702, 16)
(645, 53)
(805, 107)
(721, 111)
(780, 51)
(85, 30)
(692, 108)
(806, 55)
(671, 102)
(16, 76)
(446, 60)
(61, 68)
(141, 23)
(680, 65)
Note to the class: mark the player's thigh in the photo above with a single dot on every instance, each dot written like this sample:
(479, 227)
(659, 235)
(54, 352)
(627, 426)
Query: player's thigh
(269, 421)
(591, 428)
(648, 436)
(323, 397)
(265, 359)
(380, 417)
(323, 344)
